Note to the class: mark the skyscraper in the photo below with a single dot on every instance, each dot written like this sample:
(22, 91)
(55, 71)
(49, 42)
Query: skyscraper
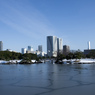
(66, 50)
(51, 46)
(1, 46)
(23, 50)
(40, 48)
(59, 45)
(30, 48)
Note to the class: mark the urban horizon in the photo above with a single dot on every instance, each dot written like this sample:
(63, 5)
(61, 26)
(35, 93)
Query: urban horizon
(73, 21)
(47, 47)
(59, 47)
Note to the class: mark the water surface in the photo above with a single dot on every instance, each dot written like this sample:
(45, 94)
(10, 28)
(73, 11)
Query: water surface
(47, 79)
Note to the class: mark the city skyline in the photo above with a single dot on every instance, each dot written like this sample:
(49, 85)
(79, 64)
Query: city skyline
(27, 22)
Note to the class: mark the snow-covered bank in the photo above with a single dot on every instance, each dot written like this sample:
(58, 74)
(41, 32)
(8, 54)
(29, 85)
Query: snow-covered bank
(65, 61)
(13, 61)
(2, 61)
(86, 60)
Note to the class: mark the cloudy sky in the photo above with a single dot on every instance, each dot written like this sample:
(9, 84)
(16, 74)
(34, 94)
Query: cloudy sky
(28, 22)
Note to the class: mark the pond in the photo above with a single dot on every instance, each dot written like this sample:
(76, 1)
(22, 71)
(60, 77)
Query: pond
(47, 79)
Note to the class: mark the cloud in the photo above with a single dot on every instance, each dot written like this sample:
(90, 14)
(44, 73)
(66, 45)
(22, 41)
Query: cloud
(24, 18)
(31, 23)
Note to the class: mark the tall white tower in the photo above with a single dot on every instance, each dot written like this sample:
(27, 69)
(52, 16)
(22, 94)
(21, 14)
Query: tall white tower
(89, 45)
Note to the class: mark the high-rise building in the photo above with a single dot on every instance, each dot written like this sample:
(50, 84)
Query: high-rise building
(1, 46)
(51, 46)
(89, 45)
(59, 45)
(23, 50)
(66, 50)
(40, 48)
(30, 49)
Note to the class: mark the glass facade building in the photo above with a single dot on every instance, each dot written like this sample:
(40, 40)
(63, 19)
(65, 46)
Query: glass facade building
(52, 46)
(1, 46)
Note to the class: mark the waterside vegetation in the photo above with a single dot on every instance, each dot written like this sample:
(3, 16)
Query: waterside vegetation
(26, 58)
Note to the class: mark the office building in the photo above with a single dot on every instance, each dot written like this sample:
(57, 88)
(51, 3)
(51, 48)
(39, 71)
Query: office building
(23, 50)
(1, 46)
(51, 46)
(28, 51)
(30, 48)
(59, 45)
(88, 51)
(41, 54)
(40, 48)
(66, 50)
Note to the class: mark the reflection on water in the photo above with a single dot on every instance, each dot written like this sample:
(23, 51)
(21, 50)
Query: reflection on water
(47, 79)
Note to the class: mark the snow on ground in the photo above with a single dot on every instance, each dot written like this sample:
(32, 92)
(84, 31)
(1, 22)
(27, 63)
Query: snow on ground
(13, 61)
(86, 60)
(72, 60)
(2, 61)
(33, 60)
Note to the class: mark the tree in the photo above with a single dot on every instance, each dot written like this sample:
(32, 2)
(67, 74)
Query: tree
(61, 56)
(78, 55)
(7, 55)
(70, 56)
(91, 55)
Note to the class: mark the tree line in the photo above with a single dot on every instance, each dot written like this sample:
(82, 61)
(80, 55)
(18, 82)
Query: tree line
(7, 55)
(76, 55)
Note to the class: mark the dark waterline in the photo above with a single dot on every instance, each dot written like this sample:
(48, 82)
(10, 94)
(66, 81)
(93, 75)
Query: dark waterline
(47, 79)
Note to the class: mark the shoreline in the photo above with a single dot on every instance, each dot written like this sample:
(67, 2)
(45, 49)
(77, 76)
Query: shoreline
(72, 61)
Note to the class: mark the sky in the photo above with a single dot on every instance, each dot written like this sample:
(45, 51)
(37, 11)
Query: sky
(28, 22)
